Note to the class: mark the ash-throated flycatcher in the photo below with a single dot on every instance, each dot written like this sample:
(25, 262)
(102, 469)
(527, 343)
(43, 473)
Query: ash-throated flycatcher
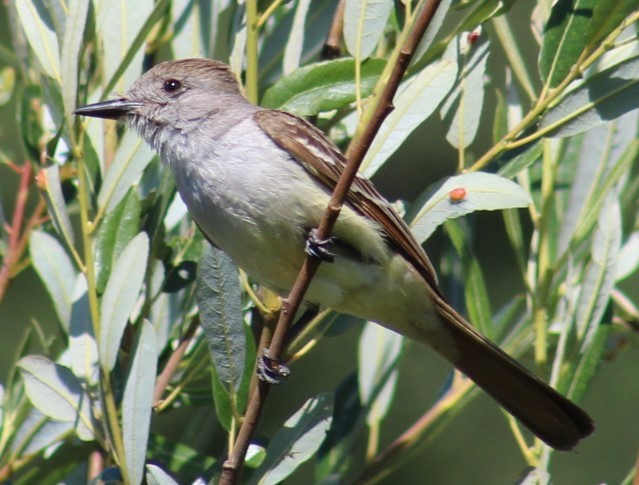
(257, 181)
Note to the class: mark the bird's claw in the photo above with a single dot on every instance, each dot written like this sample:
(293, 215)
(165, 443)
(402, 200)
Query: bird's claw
(319, 248)
(271, 371)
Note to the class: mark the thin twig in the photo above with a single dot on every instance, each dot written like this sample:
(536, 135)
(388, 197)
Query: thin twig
(332, 46)
(355, 155)
(13, 252)
(169, 369)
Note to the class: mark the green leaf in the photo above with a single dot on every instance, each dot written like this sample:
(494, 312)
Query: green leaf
(56, 271)
(603, 97)
(416, 100)
(600, 150)
(516, 161)
(118, 24)
(118, 228)
(463, 194)
(219, 300)
(130, 160)
(37, 432)
(475, 291)
(119, 297)
(432, 30)
(600, 272)
(463, 106)
(323, 86)
(564, 38)
(607, 16)
(591, 358)
(7, 83)
(50, 178)
(156, 476)
(82, 344)
(295, 42)
(364, 24)
(137, 401)
(379, 353)
(39, 28)
(74, 25)
(191, 29)
(57, 393)
(178, 457)
(628, 257)
(347, 429)
(296, 441)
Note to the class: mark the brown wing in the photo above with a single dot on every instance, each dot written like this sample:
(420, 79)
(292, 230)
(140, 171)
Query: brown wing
(323, 159)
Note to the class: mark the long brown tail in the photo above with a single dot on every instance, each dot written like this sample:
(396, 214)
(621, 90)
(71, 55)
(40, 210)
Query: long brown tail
(554, 419)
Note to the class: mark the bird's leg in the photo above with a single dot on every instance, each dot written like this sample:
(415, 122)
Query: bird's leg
(319, 248)
(271, 371)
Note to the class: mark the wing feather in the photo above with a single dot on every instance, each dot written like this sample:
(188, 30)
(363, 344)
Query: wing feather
(321, 158)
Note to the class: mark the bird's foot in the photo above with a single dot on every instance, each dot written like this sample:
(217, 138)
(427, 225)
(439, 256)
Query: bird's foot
(271, 371)
(319, 248)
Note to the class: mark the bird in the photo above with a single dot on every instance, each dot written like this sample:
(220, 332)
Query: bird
(257, 181)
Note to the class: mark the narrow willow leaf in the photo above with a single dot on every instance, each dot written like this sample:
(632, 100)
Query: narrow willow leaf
(39, 28)
(603, 97)
(591, 358)
(57, 393)
(600, 272)
(56, 271)
(323, 86)
(137, 401)
(76, 20)
(295, 42)
(463, 106)
(475, 291)
(601, 149)
(119, 226)
(628, 257)
(132, 55)
(191, 29)
(156, 476)
(432, 30)
(37, 432)
(82, 344)
(50, 178)
(177, 456)
(119, 297)
(463, 194)
(130, 160)
(416, 100)
(379, 352)
(297, 441)
(606, 17)
(564, 38)
(347, 428)
(364, 24)
(516, 161)
(219, 301)
(118, 24)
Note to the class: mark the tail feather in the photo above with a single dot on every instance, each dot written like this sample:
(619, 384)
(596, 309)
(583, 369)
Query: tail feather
(553, 418)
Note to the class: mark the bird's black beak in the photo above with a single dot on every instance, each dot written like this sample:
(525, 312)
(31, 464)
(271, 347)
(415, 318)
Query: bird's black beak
(113, 110)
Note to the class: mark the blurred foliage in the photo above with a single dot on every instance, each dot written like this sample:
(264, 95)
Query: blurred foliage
(97, 218)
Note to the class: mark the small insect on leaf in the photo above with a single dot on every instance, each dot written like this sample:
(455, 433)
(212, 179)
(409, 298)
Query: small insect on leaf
(457, 195)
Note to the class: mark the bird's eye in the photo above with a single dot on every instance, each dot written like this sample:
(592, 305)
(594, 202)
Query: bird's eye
(172, 85)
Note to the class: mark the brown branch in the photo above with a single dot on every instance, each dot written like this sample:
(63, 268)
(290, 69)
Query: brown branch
(355, 155)
(171, 365)
(15, 249)
(332, 46)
